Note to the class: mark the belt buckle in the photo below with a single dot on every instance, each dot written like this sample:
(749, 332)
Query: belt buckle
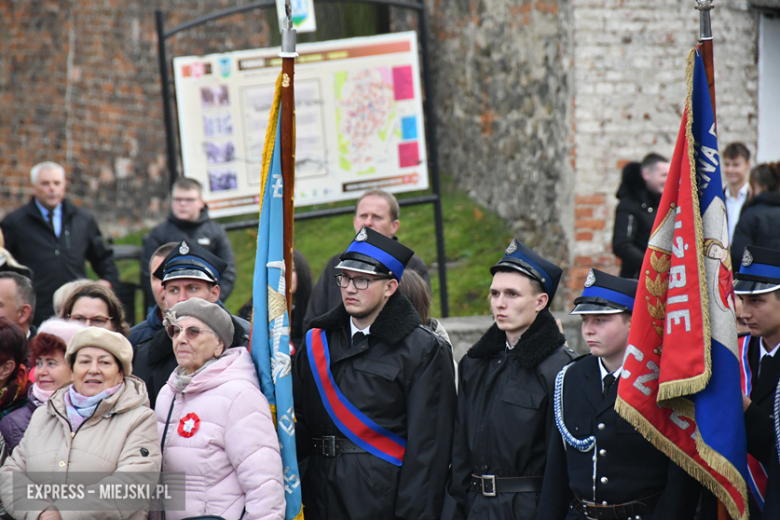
(329, 445)
(489, 490)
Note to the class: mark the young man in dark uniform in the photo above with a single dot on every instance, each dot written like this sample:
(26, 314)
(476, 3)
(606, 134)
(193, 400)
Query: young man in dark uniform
(505, 412)
(374, 397)
(758, 286)
(598, 466)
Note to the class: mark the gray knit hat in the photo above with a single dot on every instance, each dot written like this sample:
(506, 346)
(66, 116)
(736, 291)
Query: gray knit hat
(212, 315)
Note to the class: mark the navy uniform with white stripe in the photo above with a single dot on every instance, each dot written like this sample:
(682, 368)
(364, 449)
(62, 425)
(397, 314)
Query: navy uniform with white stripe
(758, 284)
(598, 465)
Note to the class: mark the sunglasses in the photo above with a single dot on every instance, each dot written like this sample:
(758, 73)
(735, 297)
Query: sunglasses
(191, 332)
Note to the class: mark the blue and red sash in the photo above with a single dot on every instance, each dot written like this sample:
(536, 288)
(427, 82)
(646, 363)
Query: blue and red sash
(757, 473)
(349, 420)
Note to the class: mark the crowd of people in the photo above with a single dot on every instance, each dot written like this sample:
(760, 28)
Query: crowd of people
(388, 424)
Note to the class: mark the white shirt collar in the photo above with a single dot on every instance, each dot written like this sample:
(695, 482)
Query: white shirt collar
(355, 330)
(763, 352)
(742, 194)
(604, 372)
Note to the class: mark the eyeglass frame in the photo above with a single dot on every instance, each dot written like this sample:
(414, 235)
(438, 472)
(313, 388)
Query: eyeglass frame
(354, 280)
(187, 334)
(84, 320)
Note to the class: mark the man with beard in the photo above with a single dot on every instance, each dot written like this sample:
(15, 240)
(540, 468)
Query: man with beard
(505, 396)
(374, 397)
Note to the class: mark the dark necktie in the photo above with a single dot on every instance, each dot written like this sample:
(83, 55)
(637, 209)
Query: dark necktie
(358, 338)
(51, 220)
(609, 380)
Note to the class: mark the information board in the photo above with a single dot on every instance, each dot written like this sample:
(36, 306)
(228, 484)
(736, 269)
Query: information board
(359, 120)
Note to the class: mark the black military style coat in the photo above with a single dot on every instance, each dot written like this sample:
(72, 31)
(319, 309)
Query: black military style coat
(403, 379)
(628, 466)
(504, 418)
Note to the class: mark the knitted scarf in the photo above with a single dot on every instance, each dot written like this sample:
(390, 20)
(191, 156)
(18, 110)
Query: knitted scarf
(80, 407)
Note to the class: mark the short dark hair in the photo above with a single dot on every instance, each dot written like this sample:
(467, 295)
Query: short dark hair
(651, 159)
(25, 292)
(766, 175)
(395, 209)
(13, 345)
(734, 150)
(164, 250)
(536, 285)
(186, 183)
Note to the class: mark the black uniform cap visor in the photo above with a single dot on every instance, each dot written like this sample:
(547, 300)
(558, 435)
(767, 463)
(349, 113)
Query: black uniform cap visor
(597, 308)
(195, 274)
(517, 266)
(753, 287)
(358, 266)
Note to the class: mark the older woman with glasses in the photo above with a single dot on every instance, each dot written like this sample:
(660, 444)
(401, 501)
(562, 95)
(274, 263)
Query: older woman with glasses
(215, 423)
(99, 426)
(94, 305)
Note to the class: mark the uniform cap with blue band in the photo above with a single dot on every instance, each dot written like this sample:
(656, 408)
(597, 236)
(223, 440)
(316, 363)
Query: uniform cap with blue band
(606, 294)
(759, 271)
(191, 261)
(521, 258)
(373, 253)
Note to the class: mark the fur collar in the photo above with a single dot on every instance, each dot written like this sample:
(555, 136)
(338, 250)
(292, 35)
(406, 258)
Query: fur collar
(540, 340)
(397, 319)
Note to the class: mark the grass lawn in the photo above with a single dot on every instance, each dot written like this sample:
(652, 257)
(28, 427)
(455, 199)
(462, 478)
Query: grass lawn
(474, 238)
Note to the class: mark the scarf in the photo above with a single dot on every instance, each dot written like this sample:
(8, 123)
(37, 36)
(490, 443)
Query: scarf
(182, 379)
(14, 394)
(40, 396)
(80, 407)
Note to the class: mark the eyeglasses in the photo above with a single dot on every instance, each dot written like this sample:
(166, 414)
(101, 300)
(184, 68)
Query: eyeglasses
(181, 200)
(97, 321)
(191, 332)
(361, 284)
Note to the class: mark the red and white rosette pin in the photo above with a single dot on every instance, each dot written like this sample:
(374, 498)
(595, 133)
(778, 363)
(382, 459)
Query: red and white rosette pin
(188, 425)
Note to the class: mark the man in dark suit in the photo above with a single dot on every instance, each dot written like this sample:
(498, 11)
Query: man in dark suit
(758, 286)
(54, 238)
(598, 466)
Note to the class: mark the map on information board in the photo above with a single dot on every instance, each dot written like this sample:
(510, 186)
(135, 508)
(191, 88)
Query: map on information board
(358, 115)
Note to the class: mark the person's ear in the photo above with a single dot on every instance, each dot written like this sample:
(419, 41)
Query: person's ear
(6, 369)
(541, 301)
(391, 287)
(394, 226)
(25, 313)
(214, 294)
(220, 348)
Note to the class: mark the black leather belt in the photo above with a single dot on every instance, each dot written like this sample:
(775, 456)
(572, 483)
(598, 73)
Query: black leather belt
(624, 511)
(491, 485)
(330, 446)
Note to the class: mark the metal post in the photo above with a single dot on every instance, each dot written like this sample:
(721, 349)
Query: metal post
(433, 166)
(165, 84)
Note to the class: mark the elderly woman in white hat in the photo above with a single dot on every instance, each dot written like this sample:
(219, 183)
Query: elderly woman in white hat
(100, 423)
(215, 423)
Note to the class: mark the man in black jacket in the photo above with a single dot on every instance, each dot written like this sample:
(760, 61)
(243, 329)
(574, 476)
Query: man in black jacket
(758, 285)
(505, 396)
(633, 479)
(54, 237)
(375, 209)
(374, 397)
(189, 220)
(189, 271)
(639, 193)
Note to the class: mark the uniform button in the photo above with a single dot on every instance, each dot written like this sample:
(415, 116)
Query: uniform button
(603, 453)
(604, 480)
(604, 503)
(62, 463)
(57, 252)
(650, 210)
(601, 426)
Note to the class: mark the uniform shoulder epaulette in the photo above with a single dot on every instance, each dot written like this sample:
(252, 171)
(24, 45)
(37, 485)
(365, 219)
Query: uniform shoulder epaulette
(576, 357)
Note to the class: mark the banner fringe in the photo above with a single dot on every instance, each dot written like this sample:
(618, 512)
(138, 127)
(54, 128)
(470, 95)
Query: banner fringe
(270, 139)
(679, 457)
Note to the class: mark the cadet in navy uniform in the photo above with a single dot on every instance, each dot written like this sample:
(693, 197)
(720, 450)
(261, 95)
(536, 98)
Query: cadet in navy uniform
(506, 379)
(633, 479)
(758, 285)
(374, 397)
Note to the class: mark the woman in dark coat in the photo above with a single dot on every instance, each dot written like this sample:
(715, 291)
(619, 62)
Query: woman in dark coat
(759, 221)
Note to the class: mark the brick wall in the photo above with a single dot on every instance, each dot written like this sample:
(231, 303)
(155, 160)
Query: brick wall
(629, 88)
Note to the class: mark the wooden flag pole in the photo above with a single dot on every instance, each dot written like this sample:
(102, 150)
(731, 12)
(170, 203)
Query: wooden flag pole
(288, 56)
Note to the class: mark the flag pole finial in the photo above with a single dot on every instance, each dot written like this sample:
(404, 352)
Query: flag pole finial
(705, 27)
(289, 34)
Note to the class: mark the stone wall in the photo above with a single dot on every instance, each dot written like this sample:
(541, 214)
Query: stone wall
(502, 83)
(629, 90)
